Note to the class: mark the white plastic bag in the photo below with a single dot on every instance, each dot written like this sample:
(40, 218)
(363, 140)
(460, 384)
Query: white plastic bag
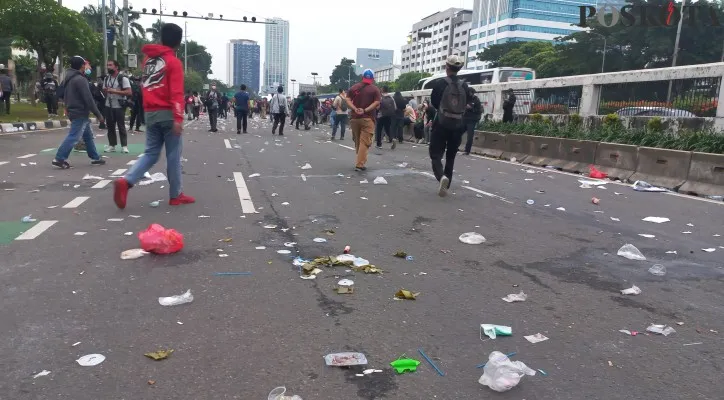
(631, 252)
(176, 300)
(380, 181)
(501, 374)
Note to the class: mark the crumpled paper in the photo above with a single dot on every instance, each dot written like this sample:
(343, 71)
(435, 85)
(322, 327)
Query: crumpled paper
(159, 355)
(406, 295)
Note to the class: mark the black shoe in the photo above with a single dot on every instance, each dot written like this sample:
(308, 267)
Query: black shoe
(238, 132)
(274, 133)
(393, 145)
(467, 153)
(333, 138)
(358, 169)
(99, 161)
(281, 134)
(243, 132)
(61, 164)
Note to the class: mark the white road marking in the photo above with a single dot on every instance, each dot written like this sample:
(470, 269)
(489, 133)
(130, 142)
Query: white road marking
(36, 230)
(101, 184)
(346, 147)
(27, 156)
(131, 162)
(247, 206)
(118, 172)
(227, 143)
(495, 196)
(76, 202)
(4, 162)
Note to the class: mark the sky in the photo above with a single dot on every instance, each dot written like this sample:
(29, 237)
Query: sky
(320, 32)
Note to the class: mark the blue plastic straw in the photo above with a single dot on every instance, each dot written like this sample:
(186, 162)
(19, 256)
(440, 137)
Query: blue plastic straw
(422, 353)
(483, 365)
(231, 273)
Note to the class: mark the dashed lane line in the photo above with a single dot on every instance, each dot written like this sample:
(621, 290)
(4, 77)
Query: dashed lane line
(36, 230)
(495, 196)
(227, 143)
(28, 155)
(247, 206)
(101, 184)
(4, 162)
(346, 147)
(76, 202)
(118, 172)
(131, 162)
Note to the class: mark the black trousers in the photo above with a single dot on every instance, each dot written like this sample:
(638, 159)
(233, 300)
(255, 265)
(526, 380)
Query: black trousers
(279, 120)
(383, 123)
(213, 117)
(396, 128)
(51, 102)
(300, 120)
(470, 129)
(241, 116)
(136, 117)
(444, 142)
(115, 117)
(6, 99)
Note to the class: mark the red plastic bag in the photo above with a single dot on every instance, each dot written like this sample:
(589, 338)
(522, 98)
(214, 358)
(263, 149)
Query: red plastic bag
(596, 173)
(159, 240)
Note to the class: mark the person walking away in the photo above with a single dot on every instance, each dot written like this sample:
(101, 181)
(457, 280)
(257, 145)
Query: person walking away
(293, 111)
(339, 105)
(163, 100)
(473, 113)
(241, 108)
(50, 86)
(450, 97)
(508, 105)
(189, 105)
(301, 102)
(430, 113)
(213, 98)
(136, 105)
(262, 108)
(397, 120)
(279, 109)
(385, 115)
(6, 88)
(79, 102)
(315, 111)
(116, 87)
(363, 98)
(197, 105)
(224, 106)
(308, 110)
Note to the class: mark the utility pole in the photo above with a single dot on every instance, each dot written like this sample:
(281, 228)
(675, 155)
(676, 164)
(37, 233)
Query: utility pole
(676, 46)
(125, 31)
(113, 17)
(105, 33)
(186, 47)
(61, 73)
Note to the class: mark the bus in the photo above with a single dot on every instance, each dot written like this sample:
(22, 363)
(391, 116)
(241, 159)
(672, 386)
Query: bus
(524, 98)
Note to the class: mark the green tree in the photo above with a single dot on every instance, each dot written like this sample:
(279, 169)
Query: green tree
(343, 75)
(409, 80)
(193, 81)
(199, 59)
(494, 53)
(5, 50)
(24, 71)
(43, 26)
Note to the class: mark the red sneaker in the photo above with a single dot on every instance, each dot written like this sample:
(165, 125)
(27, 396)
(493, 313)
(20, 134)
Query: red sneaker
(181, 199)
(120, 192)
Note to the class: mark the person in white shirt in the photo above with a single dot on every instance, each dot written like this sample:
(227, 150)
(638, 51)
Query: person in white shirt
(116, 87)
(339, 105)
(279, 108)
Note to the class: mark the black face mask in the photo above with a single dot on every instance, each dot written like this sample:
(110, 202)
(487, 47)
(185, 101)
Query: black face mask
(111, 71)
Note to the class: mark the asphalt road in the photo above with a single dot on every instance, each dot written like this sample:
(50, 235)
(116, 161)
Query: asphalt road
(244, 335)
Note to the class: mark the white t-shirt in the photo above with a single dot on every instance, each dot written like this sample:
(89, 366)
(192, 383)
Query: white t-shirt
(118, 82)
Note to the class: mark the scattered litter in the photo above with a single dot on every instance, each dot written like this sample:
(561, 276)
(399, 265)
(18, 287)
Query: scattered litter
(561, 209)
(28, 218)
(345, 286)
(75, 344)
(709, 250)
(89, 177)
(633, 290)
(91, 360)
(410, 258)
(403, 294)
(114, 219)
(159, 355)
(472, 238)
(501, 374)
(432, 364)
(403, 365)
(346, 359)
(615, 219)
(159, 240)
(402, 165)
(260, 247)
(339, 192)
(306, 166)
(530, 202)
(692, 344)
(275, 194)
(223, 255)
(154, 204)
(610, 364)
(646, 235)
(687, 233)
(492, 331)
(631, 252)
(658, 270)
(133, 254)
(542, 372)
(660, 329)
(283, 251)
(304, 178)
(656, 220)
(689, 224)
(671, 252)
(187, 297)
(269, 226)
(680, 323)
(596, 174)
(595, 200)
(537, 338)
(630, 333)
(642, 186)
(363, 198)
(320, 240)
(253, 175)
(231, 274)
(528, 171)
(80, 234)
(400, 254)
(380, 180)
(289, 244)
(41, 373)
(364, 181)
(278, 393)
(156, 177)
(286, 203)
(513, 297)
(589, 183)
(329, 232)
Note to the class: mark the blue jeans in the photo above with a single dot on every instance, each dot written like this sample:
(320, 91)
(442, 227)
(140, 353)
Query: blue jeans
(332, 115)
(470, 129)
(78, 127)
(157, 135)
(339, 120)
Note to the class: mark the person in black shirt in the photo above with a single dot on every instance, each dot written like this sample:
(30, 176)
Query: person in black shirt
(450, 97)
(508, 105)
(473, 112)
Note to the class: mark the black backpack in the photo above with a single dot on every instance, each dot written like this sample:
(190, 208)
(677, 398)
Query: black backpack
(60, 91)
(281, 104)
(452, 105)
(387, 106)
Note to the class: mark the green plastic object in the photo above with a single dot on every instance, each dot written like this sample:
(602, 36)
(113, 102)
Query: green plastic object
(403, 365)
(493, 331)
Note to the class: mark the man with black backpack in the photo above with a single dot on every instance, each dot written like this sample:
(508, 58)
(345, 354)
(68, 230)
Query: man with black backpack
(339, 105)
(385, 116)
(116, 87)
(50, 85)
(279, 109)
(450, 97)
(136, 105)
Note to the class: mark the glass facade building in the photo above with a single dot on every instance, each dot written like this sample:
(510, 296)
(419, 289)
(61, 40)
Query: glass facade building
(276, 56)
(243, 63)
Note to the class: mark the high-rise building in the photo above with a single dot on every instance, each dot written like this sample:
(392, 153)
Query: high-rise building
(503, 21)
(372, 59)
(242, 56)
(434, 38)
(276, 55)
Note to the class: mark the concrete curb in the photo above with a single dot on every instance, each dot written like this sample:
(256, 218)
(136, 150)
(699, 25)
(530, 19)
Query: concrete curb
(19, 127)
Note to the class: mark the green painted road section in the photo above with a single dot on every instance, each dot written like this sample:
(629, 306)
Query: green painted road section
(9, 230)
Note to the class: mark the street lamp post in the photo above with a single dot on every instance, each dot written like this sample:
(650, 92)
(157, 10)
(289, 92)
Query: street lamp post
(294, 82)
(603, 61)
(314, 76)
(676, 47)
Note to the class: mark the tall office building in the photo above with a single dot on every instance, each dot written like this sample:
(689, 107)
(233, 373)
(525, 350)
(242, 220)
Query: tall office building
(242, 56)
(276, 55)
(502, 21)
(434, 38)
(372, 59)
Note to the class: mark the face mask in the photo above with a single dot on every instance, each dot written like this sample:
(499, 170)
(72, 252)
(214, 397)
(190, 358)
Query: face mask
(213, 88)
(88, 71)
(111, 71)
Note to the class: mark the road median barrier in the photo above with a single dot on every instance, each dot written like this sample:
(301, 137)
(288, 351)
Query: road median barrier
(516, 147)
(662, 167)
(706, 175)
(618, 161)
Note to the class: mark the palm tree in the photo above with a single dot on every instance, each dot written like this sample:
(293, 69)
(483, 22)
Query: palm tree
(155, 31)
(94, 17)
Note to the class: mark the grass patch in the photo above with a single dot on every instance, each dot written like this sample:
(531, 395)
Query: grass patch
(25, 112)
(701, 141)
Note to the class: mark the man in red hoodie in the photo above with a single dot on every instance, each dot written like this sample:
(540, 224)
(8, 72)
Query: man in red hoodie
(163, 101)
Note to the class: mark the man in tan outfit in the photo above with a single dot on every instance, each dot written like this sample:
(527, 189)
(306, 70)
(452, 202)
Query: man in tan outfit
(363, 99)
